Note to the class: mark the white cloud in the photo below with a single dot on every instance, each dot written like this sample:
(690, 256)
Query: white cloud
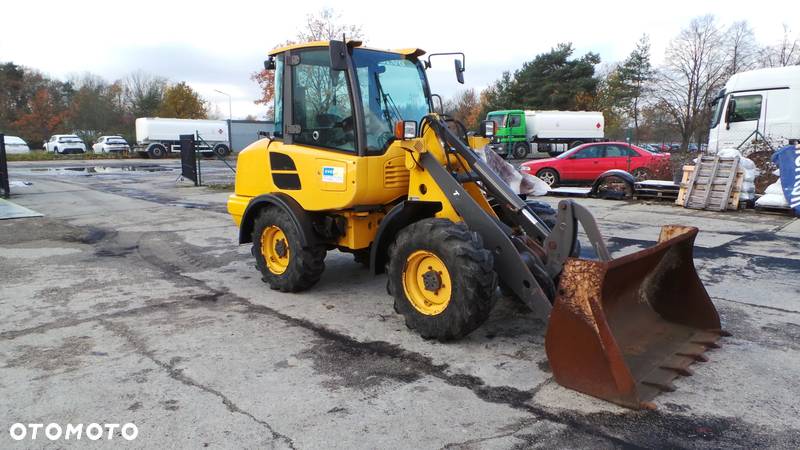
(216, 45)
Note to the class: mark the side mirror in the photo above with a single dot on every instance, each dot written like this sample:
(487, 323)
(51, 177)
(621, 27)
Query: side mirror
(729, 112)
(487, 128)
(459, 71)
(338, 51)
(269, 64)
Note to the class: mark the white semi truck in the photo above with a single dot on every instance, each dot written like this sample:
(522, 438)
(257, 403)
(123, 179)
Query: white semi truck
(757, 107)
(544, 133)
(158, 137)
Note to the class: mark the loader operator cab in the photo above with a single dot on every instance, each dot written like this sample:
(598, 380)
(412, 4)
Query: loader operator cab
(349, 107)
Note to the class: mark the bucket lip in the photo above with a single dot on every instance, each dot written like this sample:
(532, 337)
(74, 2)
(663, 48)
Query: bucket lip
(686, 233)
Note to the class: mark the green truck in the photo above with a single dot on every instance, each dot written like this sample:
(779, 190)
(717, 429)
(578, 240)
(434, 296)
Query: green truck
(541, 134)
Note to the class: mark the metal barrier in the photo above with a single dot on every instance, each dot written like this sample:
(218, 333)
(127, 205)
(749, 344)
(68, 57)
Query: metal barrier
(190, 168)
(4, 184)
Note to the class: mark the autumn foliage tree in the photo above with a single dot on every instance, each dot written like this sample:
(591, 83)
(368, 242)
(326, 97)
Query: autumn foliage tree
(182, 102)
(44, 118)
(465, 107)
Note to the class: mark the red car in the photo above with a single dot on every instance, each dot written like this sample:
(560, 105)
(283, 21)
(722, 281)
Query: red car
(584, 163)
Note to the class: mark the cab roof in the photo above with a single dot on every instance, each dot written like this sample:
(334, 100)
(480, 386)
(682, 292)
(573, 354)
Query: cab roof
(402, 51)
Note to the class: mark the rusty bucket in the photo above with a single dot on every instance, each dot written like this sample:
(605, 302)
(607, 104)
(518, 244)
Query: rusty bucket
(622, 330)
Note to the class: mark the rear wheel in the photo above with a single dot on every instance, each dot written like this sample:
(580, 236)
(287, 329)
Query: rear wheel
(549, 176)
(441, 278)
(282, 260)
(221, 150)
(520, 150)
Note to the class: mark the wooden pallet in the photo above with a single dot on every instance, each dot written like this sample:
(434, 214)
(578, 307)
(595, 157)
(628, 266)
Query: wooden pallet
(716, 185)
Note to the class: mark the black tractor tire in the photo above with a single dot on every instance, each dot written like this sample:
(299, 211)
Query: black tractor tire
(156, 151)
(549, 176)
(470, 271)
(520, 150)
(305, 265)
(221, 150)
(545, 212)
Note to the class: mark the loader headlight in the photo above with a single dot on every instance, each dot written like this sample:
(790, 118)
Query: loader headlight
(407, 129)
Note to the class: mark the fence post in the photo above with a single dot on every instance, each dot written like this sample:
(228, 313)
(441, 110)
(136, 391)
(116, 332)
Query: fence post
(4, 184)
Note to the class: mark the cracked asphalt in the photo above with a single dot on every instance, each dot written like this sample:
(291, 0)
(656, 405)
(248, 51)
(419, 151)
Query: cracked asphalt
(130, 301)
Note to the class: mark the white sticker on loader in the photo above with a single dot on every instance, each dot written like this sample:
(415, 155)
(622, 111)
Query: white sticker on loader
(331, 174)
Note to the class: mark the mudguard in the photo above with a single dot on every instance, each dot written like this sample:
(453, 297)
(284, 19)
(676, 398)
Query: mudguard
(399, 217)
(299, 216)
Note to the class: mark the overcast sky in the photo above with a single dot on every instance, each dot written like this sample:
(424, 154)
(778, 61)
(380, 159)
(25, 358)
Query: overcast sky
(217, 45)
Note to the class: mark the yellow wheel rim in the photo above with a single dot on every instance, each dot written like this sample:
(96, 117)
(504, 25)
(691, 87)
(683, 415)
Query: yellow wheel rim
(275, 249)
(426, 283)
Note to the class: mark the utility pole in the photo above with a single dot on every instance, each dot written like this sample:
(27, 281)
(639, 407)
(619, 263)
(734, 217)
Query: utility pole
(230, 107)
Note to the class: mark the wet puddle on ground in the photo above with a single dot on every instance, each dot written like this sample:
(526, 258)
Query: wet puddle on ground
(103, 169)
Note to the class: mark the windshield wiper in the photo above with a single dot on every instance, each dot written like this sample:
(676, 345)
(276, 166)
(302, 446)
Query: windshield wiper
(388, 103)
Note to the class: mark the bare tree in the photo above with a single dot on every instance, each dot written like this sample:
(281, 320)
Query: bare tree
(325, 25)
(785, 53)
(143, 93)
(743, 51)
(695, 69)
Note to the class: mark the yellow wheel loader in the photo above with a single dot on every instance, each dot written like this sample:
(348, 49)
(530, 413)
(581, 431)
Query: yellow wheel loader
(360, 162)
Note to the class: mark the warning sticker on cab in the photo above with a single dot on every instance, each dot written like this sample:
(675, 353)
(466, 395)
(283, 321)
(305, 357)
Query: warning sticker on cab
(331, 174)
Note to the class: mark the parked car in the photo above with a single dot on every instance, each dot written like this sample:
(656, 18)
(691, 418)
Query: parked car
(650, 148)
(109, 144)
(693, 147)
(65, 143)
(16, 145)
(583, 164)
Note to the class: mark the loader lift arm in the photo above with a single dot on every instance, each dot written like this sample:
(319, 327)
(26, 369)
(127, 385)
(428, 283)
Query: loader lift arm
(509, 254)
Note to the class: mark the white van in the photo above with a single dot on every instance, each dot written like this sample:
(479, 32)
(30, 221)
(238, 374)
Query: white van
(754, 106)
(15, 145)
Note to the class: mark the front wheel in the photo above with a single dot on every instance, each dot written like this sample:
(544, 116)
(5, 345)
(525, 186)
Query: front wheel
(441, 278)
(283, 262)
(549, 176)
(157, 151)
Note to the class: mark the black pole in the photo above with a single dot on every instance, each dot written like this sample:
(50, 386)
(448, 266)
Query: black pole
(4, 184)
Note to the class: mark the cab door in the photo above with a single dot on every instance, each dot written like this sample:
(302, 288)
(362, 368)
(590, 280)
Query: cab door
(584, 164)
(322, 147)
(743, 114)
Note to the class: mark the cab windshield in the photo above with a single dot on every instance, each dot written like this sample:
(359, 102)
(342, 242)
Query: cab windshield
(499, 119)
(393, 88)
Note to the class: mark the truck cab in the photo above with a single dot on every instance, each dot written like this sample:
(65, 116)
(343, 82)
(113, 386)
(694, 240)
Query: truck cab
(511, 133)
(757, 110)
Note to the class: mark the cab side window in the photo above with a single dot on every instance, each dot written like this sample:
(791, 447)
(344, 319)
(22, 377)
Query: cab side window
(514, 120)
(321, 103)
(748, 107)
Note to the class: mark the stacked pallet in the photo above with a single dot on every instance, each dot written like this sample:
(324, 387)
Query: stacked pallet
(714, 183)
